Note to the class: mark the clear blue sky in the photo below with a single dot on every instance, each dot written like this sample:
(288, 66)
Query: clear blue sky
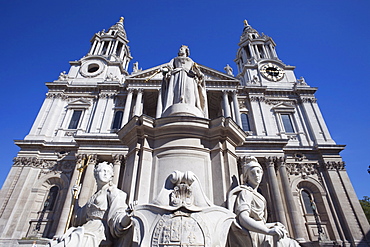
(328, 42)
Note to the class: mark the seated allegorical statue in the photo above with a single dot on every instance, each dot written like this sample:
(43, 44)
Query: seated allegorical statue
(103, 219)
(250, 228)
(183, 86)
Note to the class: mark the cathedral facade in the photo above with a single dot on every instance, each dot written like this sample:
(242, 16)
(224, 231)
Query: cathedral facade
(99, 111)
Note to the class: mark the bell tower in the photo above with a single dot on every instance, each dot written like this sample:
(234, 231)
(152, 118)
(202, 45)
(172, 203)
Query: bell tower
(257, 60)
(107, 59)
(112, 44)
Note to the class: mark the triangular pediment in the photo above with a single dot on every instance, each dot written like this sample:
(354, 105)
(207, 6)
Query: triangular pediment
(154, 74)
(282, 106)
(79, 103)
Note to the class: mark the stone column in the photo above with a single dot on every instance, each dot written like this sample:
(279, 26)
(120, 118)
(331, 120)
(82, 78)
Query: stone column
(108, 48)
(159, 104)
(236, 109)
(295, 218)
(92, 48)
(273, 51)
(275, 192)
(251, 51)
(88, 184)
(265, 51)
(101, 45)
(68, 201)
(115, 47)
(138, 106)
(126, 112)
(117, 162)
(226, 105)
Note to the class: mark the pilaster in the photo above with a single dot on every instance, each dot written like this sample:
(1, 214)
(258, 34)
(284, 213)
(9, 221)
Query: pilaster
(275, 191)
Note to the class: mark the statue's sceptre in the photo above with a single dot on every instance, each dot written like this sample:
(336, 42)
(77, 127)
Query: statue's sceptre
(82, 166)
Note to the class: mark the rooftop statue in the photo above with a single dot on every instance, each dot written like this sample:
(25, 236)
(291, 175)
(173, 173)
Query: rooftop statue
(249, 206)
(183, 87)
(103, 218)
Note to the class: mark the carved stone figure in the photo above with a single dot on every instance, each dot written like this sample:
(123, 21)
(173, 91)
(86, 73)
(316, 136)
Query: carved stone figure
(63, 76)
(135, 68)
(181, 215)
(183, 87)
(229, 70)
(250, 228)
(103, 218)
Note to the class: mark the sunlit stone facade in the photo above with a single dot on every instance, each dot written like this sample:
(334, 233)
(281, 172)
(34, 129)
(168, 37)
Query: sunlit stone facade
(99, 111)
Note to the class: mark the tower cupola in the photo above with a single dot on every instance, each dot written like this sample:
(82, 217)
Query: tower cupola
(112, 44)
(257, 60)
(254, 47)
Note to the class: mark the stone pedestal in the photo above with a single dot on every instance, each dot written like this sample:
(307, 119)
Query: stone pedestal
(157, 147)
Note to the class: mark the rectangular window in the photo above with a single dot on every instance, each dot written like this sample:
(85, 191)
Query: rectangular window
(288, 126)
(245, 122)
(117, 122)
(75, 119)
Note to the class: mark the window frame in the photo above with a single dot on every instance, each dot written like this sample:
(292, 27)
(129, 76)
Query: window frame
(291, 125)
(247, 122)
(78, 122)
(120, 121)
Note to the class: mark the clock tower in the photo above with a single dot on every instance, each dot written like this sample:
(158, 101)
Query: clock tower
(258, 62)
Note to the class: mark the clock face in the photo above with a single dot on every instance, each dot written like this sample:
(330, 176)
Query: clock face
(272, 72)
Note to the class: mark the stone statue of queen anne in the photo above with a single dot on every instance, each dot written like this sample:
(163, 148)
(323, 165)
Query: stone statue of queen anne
(183, 87)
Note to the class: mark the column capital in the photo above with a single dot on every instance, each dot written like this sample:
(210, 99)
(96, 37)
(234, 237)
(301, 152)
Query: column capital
(270, 161)
(118, 159)
(91, 158)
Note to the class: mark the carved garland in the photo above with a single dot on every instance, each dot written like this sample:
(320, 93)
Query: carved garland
(335, 165)
(46, 166)
(56, 96)
(308, 100)
(303, 169)
(107, 95)
(257, 98)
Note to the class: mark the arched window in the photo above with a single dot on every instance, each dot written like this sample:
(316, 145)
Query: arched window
(117, 122)
(307, 202)
(51, 198)
(245, 122)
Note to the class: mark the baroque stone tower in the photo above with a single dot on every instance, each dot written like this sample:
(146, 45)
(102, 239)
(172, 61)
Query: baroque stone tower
(98, 111)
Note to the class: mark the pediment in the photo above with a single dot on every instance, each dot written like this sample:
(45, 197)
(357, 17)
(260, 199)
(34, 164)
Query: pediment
(79, 103)
(154, 74)
(282, 107)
